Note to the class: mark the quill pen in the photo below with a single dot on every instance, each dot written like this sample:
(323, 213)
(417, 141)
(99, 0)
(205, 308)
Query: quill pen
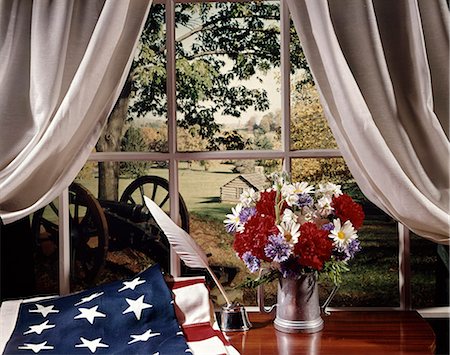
(184, 245)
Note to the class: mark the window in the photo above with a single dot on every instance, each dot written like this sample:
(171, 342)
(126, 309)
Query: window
(220, 89)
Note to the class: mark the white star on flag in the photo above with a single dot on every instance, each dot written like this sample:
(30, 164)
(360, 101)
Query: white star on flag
(91, 344)
(143, 337)
(43, 310)
(137, 306)
(89, 298)
(90, 314)
(131, 284)
(36, 347)
(39, 328)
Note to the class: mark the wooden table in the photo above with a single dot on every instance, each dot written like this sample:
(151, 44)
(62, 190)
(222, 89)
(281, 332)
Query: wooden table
(345, 332)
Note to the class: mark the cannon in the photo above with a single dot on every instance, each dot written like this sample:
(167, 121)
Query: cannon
(97, 226)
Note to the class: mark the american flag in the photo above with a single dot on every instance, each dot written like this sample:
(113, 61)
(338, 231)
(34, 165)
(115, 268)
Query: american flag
(134, 316)
(196, 316)
(125, 317)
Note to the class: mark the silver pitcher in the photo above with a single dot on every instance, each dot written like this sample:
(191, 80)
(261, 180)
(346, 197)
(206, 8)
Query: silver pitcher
(298, 309)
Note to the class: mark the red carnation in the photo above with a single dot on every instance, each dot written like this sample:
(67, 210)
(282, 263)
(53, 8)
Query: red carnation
(313, 247)
(348, 210)
(254, 237)
(266, 204)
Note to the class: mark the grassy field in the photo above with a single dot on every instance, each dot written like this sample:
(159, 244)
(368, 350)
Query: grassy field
(373, 280)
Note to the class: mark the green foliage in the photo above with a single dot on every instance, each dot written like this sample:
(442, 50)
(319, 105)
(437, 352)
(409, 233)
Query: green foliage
(334, 269)
(244, 166)
(265, 278)
(230, 140)
(219, 47)
(133, 141)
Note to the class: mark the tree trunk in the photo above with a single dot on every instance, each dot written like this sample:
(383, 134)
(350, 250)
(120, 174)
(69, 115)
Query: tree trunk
(109, 141)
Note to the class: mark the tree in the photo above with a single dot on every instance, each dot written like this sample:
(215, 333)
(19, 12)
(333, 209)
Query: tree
(265, 124)
(222, 46)
(251, 124)
(310, 131)
(244, 166)
(134, 141)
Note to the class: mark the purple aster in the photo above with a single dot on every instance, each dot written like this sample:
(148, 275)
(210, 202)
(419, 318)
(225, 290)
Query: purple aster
(278, 249)
(348, 252)
(328, 227)
(230, 228)
(353, 248)
(251, 261)
(246, 213)
(304, 200)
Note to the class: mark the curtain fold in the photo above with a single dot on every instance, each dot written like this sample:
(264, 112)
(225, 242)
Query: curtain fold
(382, 69)
(64, 64)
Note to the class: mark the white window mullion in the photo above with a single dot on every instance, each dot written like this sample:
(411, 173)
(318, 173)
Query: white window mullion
(404, 267)
(64, 242)
(285, 85)
(211, 155)
(172, 126)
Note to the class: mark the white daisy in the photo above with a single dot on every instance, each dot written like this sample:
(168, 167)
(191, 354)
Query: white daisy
(289, 195)
(329, 189)
(249, 197)
(323, 206)
(289, 216)
(303, 188)
(278, 179)
(233, 221)
(342, 235)
(290, 231)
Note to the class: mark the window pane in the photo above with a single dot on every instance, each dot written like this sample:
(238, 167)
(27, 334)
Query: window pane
(429, 275)
(138, 122)
(309, 127)
(116, 223)
(373, 277)
(45, 232)
(228, 69)
(210, 191)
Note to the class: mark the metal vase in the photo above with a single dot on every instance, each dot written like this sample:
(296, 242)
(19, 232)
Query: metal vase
(298, 307)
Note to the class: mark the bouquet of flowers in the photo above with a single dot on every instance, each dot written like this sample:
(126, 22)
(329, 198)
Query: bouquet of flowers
(296, 228)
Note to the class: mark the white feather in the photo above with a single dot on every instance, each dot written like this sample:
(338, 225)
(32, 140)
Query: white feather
(182, 243)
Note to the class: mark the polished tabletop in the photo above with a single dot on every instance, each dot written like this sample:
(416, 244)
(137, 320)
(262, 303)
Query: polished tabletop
(345, 332)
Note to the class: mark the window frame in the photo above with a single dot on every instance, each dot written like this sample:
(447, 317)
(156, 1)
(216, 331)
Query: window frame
(285, 154)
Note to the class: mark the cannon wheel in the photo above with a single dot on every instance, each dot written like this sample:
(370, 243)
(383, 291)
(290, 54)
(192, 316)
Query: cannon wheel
(157, 189)
(88, 234)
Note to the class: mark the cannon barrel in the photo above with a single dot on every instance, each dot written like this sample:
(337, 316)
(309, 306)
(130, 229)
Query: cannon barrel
(135, 213)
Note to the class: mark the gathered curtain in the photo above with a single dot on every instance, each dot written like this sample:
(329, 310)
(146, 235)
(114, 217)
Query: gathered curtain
(382, 69)
(63, 66)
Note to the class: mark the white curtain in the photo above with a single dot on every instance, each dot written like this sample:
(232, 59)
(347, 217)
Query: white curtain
(62, 67)
(382, 68)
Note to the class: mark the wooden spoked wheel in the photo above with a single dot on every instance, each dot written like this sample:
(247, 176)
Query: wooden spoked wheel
(157, 189)
(88, 234)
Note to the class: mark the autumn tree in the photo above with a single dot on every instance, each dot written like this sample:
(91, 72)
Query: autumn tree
(309, 130)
